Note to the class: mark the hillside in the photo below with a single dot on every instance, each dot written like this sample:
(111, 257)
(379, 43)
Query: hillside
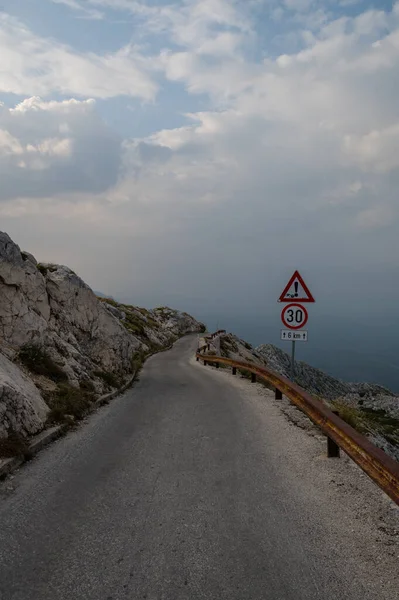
(370, 408)
(61, 347)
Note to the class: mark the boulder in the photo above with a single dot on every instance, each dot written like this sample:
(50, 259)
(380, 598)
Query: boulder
(24, 307)
(22, 408)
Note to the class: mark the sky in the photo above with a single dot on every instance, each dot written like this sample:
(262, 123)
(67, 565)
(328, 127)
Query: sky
(196, 152)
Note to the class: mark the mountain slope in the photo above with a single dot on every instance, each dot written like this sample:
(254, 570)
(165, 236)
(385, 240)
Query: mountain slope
(61, 346)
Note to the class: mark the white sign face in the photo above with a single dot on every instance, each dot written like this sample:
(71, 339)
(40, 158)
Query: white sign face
(294, 336)
(294, 316)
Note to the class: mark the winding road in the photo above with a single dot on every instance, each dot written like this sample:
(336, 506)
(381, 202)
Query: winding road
(174, 491)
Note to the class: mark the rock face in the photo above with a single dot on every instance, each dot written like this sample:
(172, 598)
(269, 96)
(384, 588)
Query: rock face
(22, 409)
(88, 339)
(24, 306)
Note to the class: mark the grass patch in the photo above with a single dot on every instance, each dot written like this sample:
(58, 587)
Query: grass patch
(14, 445)
(110, 301)
(109, 378)
(367, 420)
(245, 373)
(351, 415)
(135, 324)
(68, 401)
(38, 361)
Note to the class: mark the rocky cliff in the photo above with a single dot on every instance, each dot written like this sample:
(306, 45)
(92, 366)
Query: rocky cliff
(370, 408)
(61, 346)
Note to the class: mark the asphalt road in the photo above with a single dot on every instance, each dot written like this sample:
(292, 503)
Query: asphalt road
(170, 492)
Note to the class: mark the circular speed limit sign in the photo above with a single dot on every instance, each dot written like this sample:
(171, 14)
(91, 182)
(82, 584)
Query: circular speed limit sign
(294, 316)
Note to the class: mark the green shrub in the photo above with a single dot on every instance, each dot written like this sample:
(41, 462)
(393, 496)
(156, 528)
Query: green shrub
(14, 445)
(109, 378)
(42, 269)
(38, 361)
(87, 385)
(68, 400)
(135, 324)
(137, 361)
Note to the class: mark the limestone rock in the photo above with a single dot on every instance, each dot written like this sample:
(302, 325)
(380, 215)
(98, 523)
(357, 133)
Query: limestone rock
(28, 256)
(22, 408)
(24, 307)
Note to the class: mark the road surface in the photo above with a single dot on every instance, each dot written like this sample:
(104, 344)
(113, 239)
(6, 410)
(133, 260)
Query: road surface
(173, 491)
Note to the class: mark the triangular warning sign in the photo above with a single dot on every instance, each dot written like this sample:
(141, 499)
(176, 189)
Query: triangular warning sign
(296, 289)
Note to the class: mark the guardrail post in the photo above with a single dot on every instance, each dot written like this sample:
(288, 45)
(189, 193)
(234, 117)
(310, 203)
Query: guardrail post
(217, 365)
(205, 363)
(332, 447)
(253, 377)
(234, 370)
(278, 395)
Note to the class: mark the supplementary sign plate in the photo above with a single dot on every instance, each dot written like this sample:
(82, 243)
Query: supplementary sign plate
(294, 316)
(294, 336)
(296, 290)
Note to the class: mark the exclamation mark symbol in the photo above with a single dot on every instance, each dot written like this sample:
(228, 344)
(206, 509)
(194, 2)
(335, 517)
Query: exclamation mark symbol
(296, 289)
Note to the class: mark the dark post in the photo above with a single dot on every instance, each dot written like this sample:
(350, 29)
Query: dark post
(205, 363)
(332, 447)
(217, 365)
(234, 370)
(197, 358)
(293, 362)
(278, 395)
(253, 377)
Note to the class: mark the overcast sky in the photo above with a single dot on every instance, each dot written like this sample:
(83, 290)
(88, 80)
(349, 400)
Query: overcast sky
(197, 152)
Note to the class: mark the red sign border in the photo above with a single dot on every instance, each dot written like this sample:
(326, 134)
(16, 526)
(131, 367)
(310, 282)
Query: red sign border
(298, 276)
(304, 310)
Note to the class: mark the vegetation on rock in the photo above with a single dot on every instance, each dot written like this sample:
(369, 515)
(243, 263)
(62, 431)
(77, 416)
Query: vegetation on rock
(37, 360)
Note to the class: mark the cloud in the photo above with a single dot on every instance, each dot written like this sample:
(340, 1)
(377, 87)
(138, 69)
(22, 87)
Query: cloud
(84, 12)
(55, 147)
(375, 217)
(291, 159)
(40, 66)
(377, 150)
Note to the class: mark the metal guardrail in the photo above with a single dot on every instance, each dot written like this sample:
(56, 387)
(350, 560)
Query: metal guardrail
(380, 467)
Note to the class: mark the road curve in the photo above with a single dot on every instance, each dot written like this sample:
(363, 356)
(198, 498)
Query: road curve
(171, 492)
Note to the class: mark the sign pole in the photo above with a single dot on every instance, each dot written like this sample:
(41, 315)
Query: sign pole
(293, 361)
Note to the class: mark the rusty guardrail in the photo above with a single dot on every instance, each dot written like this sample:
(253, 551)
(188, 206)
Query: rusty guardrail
(380, 467)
